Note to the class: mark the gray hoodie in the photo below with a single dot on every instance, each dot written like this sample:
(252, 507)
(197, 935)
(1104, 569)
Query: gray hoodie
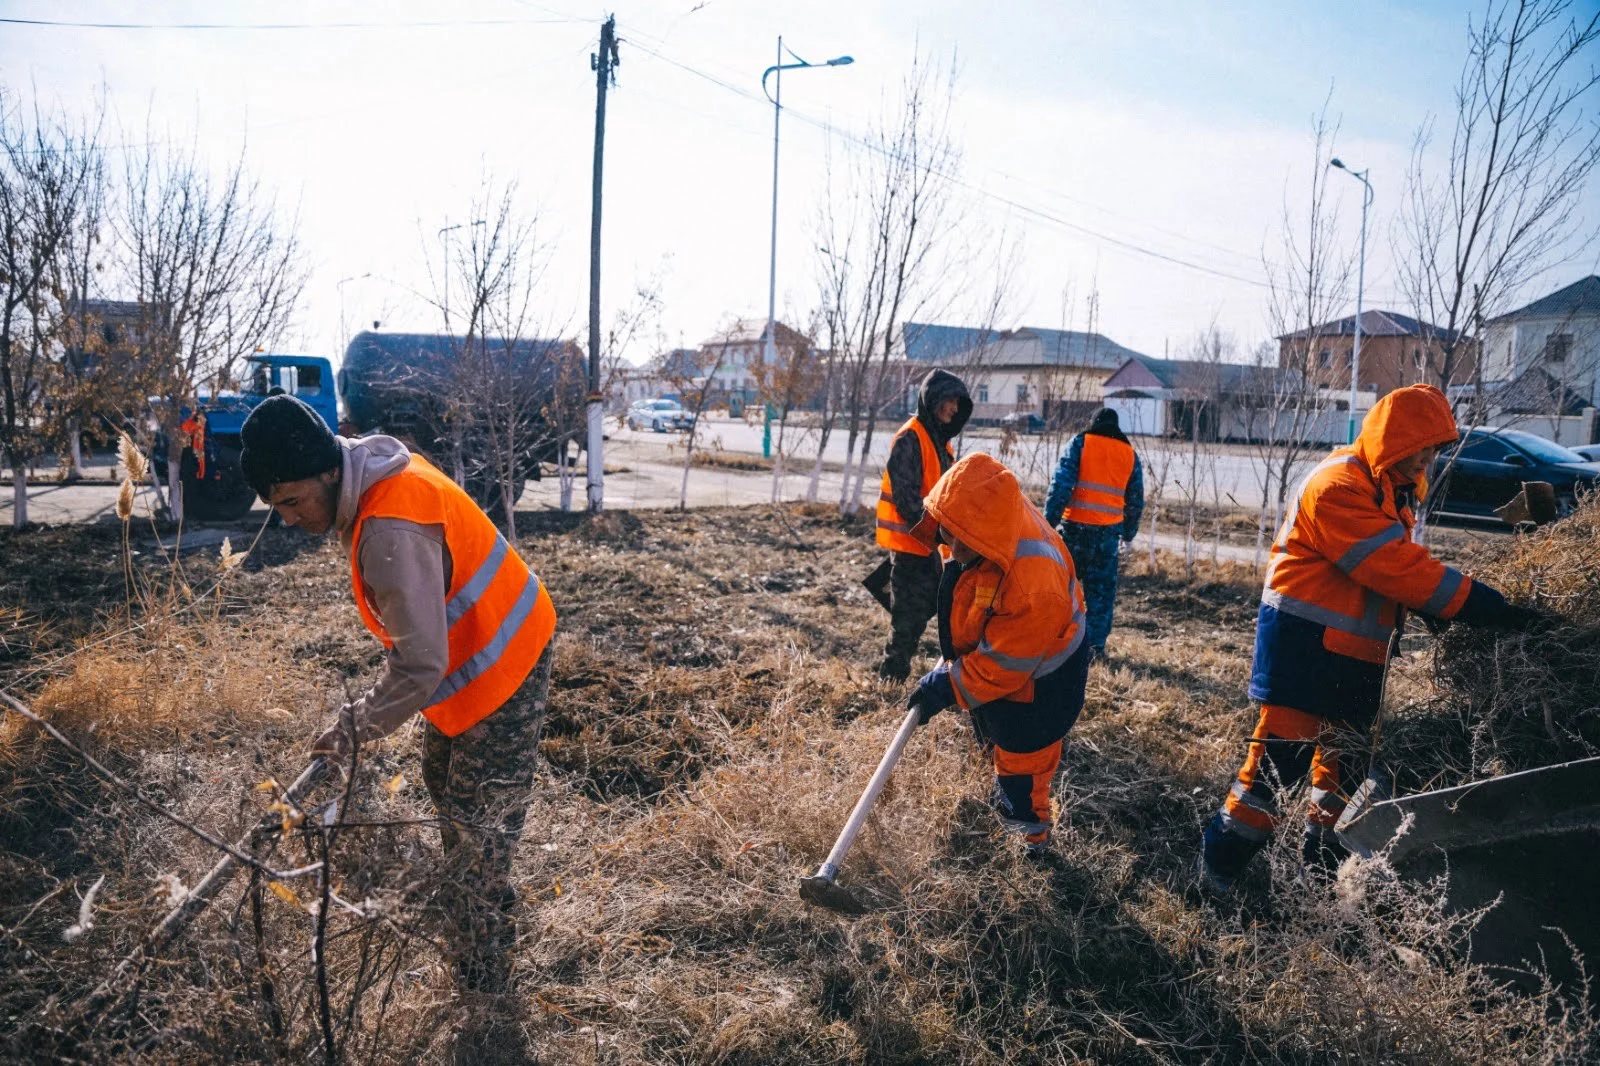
(405, 569)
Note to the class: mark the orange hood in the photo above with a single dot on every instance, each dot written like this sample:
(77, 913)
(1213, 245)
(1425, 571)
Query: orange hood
(979, 501)
(1403, 423)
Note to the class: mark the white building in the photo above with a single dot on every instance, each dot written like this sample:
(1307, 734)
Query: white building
(1559, 334)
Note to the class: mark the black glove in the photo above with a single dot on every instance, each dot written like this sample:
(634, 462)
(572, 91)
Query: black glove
(1520, 619)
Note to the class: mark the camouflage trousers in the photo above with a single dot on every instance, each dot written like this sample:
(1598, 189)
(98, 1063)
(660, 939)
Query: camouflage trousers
(481, 781)
(1094, 556)
(914, 600)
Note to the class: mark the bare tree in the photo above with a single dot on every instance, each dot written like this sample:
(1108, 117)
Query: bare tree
(885, 237)
(1200, 399)
(48, 168)
(514, 395)
(216, 271)
(1309, 282)
(1503, 207)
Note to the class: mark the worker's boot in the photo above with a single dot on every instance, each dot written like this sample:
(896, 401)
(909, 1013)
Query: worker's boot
(894, 668)
(1322, 852)
(1224, 853)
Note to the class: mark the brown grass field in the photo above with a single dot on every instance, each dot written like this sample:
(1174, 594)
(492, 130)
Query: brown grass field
(714, 713)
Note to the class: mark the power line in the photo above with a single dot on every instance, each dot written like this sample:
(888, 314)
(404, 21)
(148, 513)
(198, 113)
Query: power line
(1039, 213)
(418, 24)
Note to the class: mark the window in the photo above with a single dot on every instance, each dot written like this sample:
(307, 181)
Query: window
(1324, 359)
(308, 381)
(1485, 450)
(1557, 347)
(1416, 358)
(983, 392)
(1022, 393)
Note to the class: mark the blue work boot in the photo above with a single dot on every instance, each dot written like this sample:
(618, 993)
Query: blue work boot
(1224, 853)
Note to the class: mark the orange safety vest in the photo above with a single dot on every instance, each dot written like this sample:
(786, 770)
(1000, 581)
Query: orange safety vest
(894, 532)
(194, 427)
(500, 615)
(1104, 468)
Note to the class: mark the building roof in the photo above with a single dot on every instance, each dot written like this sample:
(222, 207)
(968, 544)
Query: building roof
(749, 331)
(1373, 324)
(1537, 392)
(1142, 371)
(929, 343)
(1579, 298)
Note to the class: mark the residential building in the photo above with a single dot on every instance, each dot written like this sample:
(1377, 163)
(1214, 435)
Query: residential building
(1053, 373)
(734, 360)
(1559, 335)
(1224, 401)
(1396, 350)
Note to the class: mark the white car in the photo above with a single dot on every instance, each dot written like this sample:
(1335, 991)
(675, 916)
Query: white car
(658, 415)
(1590, 452)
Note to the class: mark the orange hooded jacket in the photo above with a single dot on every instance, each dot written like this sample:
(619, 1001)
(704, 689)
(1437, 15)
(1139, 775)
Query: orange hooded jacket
(1344, 563)
(1016, 615)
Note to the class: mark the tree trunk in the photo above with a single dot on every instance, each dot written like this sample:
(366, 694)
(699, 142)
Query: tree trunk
(565, 475)
(75, 448)
(19, 495)
(175, 489)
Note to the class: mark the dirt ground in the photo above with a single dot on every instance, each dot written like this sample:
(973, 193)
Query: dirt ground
(714, 713)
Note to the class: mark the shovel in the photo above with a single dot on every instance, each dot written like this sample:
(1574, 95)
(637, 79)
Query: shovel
(877, 583)
(821, 888)
(1535, 504)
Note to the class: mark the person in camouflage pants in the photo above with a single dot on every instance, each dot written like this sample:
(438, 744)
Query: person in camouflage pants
(481, 782)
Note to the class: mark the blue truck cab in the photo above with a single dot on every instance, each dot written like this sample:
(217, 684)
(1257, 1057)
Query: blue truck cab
(215, 490)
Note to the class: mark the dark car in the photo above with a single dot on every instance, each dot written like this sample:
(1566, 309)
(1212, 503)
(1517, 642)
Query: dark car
(1023, 422)
(1493, 464)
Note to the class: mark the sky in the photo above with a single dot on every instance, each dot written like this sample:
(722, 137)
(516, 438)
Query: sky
(1140, 152)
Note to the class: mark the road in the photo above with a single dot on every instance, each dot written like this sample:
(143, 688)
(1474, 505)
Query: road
(645, 470)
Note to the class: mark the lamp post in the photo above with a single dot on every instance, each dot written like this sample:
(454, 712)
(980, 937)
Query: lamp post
(1361, 277)
(340, 286)
(770, 348)
(444, 239)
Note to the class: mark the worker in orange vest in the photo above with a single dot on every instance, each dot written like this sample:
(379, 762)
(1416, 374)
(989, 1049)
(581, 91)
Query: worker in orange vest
(920, 453)
(1011, 630)
(194, 435)
(1342, 570)
(1096, 500)
(467, 628)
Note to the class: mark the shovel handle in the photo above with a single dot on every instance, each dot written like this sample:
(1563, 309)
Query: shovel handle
(863, 807)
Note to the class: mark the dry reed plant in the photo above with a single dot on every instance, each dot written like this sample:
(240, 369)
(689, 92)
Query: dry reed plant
(714, 713)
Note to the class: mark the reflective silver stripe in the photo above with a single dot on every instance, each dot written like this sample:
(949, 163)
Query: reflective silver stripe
(1029, 548)
(1049, 666)
(956, 671)
(1095, 486)
(897, 527)
(1449, 585)
(1361, 550)
(1084, 505)
(1328, 801)
(1254, 802)
(1311, 612)
(473, 590)
(1009, 662)
(473, 668)
(1249, 832)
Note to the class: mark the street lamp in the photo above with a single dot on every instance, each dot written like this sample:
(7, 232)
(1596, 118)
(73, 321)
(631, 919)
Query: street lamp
(340, 286)
(1361, 277)
(445, 240)
(771, 347)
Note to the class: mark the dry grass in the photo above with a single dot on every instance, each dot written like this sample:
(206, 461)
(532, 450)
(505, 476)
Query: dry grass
(714, 714)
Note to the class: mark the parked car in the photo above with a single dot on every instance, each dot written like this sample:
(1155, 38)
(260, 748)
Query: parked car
(1023, 422)
(1494, 463)
(1590, 452)
(658, 415)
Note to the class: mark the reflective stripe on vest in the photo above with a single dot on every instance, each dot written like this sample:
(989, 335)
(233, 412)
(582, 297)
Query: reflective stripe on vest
(893, 531)
(1104, 467)
(499, 614)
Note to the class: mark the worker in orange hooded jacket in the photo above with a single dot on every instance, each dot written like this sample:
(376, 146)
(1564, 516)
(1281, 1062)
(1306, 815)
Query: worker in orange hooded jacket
(1011, 632)
(1343, 569)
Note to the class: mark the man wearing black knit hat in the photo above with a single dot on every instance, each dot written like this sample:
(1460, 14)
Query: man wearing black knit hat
(438, 585)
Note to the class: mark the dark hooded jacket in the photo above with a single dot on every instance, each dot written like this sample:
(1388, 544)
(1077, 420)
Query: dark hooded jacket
(905, 455)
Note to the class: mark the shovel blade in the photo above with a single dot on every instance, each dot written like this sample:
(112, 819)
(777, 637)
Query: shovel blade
(826, 892)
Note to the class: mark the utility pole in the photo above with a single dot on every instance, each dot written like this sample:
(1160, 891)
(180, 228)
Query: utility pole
(604, 63)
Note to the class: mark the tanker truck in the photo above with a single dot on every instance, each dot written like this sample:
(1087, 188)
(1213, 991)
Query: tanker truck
(414, 386)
